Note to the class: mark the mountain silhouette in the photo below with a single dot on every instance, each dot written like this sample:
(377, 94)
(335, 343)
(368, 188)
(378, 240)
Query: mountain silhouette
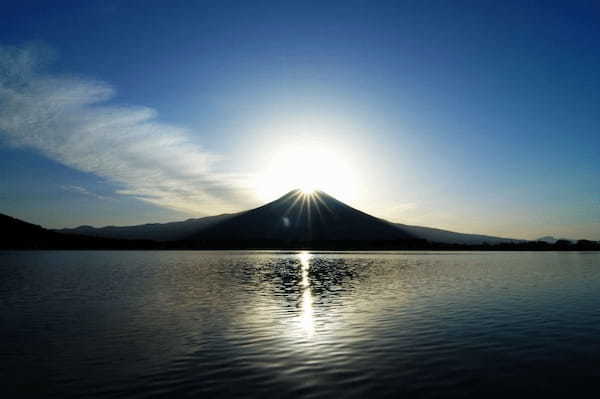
(294, 221)
(18, 233)
(299, 217)
(294, 217)
(553, 240)
(172, 231)
(23, 235)
(451, 237)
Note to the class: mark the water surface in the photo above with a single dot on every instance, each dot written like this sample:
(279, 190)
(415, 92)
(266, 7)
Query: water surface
(147, 324)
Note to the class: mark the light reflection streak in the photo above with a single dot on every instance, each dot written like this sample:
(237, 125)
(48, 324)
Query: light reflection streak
(306, 317)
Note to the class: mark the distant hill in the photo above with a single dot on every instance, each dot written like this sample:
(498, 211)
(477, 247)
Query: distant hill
(18, 234)
(552, 240)
(548, 239)
(451, 237)
(172, 231)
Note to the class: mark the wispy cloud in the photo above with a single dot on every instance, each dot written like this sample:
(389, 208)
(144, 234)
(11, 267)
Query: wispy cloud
(83, 191)
(70, 120)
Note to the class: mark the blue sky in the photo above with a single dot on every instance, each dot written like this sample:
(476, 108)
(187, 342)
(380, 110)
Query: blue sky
(472, 116)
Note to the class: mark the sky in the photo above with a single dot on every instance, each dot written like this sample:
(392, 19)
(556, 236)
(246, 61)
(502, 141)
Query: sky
(472, 116)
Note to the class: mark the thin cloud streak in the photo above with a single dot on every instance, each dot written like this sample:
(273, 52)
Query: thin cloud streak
(83, 191)
(68, 120)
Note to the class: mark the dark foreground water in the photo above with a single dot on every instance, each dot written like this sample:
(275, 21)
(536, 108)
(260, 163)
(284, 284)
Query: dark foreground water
(274, 324)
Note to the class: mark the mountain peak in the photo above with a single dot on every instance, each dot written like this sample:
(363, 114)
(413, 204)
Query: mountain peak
(299, 191)
(300, 217)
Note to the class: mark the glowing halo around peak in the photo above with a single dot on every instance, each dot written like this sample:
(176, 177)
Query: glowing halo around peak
(308, 167)
(307, 190)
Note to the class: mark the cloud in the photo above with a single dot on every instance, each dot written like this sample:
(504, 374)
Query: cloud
(83, 191)
(71, 120)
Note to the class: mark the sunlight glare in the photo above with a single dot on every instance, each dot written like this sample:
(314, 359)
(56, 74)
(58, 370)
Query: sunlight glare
(306, 317)
(307, 190)
(309, 167)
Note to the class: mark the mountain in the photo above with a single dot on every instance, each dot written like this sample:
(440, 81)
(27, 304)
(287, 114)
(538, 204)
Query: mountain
(294, 217)
(18, 234)
(298, 217)
(172, 231)
(295, 220)
(552, 240)
(451, 237)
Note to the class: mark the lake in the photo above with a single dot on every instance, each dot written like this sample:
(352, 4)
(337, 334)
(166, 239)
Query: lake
(144, 324)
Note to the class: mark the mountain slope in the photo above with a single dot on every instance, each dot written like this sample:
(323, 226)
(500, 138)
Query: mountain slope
(18, 234)
(172, 231)
(297, 217)
(451, 237)
(293, 217)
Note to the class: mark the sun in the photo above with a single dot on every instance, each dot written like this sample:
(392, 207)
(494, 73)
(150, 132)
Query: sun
(308, 166)
(308, 190)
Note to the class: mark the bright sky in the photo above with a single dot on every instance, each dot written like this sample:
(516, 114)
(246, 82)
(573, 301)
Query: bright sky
(478, 117)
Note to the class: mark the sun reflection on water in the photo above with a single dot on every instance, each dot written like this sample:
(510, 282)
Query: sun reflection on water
(306, 316)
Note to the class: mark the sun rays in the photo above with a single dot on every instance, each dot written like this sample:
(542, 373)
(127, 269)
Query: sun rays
(309, 166)
(307, 204)
(307, 190)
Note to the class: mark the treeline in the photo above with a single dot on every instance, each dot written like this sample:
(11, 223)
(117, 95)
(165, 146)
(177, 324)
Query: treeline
(415, 244)
(85, 243)
(560, 245)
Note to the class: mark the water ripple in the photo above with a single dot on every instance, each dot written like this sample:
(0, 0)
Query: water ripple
(276, 324)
